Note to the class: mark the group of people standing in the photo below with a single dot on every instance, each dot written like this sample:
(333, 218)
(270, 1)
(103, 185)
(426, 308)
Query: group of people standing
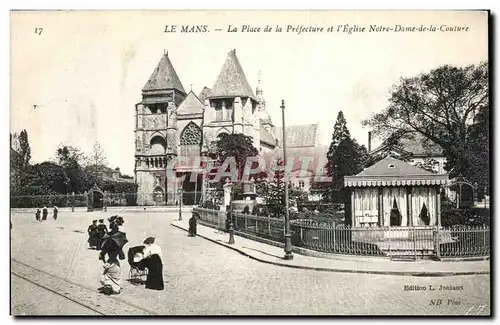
(111, 243)
(44, 213)
(97, 232)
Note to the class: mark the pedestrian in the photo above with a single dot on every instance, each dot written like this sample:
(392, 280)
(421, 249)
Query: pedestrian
(192, 225)
(113, 225)
(93, 235)
(112, 273)
(228, 217)
(37, 215)
(55, 212)
(45, 213)
(101, 231)
(152, 260)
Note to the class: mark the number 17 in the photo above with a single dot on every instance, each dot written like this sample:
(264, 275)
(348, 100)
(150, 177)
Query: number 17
(38, 31)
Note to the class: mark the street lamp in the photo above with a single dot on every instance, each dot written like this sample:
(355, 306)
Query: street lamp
(288, 236)
(231, 227)
(180, 204)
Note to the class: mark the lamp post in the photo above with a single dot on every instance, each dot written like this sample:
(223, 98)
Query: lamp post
(180, 204)
(288, 236)
(231, 228)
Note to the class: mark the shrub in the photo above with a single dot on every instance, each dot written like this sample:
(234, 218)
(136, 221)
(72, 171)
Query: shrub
(246, 210)
(209, 205)
(467, 217)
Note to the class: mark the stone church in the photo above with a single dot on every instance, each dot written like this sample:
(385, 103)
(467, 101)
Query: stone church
(171, 122)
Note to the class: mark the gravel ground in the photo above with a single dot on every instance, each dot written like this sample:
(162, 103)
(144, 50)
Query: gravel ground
(203, 278)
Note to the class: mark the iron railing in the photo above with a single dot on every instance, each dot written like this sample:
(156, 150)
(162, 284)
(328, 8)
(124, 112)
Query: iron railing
(395, 242)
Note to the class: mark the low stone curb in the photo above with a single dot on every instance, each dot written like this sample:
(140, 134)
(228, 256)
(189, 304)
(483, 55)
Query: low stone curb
(400, 273)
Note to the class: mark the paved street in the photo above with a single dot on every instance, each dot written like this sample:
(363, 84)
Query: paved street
(203, 278)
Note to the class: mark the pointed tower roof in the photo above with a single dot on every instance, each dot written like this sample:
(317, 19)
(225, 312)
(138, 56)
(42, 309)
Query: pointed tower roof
(191, 105)
(231, 81)
(205, 93)
(164, 77)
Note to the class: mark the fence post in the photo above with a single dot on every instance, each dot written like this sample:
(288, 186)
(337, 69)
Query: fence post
(269, 224)
(437, 245)
(73, 202)
(414, 244)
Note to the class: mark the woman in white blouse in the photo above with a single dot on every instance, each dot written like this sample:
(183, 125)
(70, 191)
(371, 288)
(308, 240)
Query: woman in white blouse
(152, 260)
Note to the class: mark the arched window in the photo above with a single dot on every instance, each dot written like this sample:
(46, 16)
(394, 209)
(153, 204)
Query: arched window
(191, 140)
(158, 145)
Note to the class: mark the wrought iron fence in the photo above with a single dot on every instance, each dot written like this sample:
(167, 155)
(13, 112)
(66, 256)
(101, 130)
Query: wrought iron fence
(465, 241)
(396, 242)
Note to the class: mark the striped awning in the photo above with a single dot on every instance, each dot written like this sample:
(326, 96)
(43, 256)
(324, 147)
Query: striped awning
(360, 181)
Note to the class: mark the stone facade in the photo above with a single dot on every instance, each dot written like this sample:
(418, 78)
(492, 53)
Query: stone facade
(172, 123)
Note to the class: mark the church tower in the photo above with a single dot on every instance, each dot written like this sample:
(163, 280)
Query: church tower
(230, 105)
(265, 118)
(155, 134)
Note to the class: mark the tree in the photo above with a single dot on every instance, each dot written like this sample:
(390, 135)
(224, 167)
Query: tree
(49, 178)
(479, 155)
(237, 146)
(442, 106)
(273, 191)
(427, 164)
(25, 150)
(345, 157)
(96, 162)
(20, 156)
(390, 146)
(70, 159)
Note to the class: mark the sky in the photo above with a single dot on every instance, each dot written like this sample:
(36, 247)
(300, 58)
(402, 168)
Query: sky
(85, 70)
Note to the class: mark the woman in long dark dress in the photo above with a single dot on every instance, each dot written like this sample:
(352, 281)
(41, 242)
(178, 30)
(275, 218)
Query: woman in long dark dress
(192, 225)
(152, 260)
(45, 213)
(101, 231)
(93, 235)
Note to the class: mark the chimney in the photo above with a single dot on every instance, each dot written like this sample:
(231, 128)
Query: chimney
(369, 141)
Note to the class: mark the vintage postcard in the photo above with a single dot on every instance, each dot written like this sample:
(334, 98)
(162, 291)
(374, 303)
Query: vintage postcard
(250, 163)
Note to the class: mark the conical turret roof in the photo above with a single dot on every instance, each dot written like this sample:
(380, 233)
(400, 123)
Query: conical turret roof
(231, 81)
(164, 77)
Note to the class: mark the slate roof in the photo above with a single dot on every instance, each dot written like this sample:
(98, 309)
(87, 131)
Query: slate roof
(316, 157)
(191, 105)
(393, 172)
(265, 118)
(231, 81)
(204, 94)
(164, 77)
(298, 135)
(415, 143)
(267, 137)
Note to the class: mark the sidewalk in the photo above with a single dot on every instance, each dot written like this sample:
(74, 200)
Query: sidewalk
(339, 263)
